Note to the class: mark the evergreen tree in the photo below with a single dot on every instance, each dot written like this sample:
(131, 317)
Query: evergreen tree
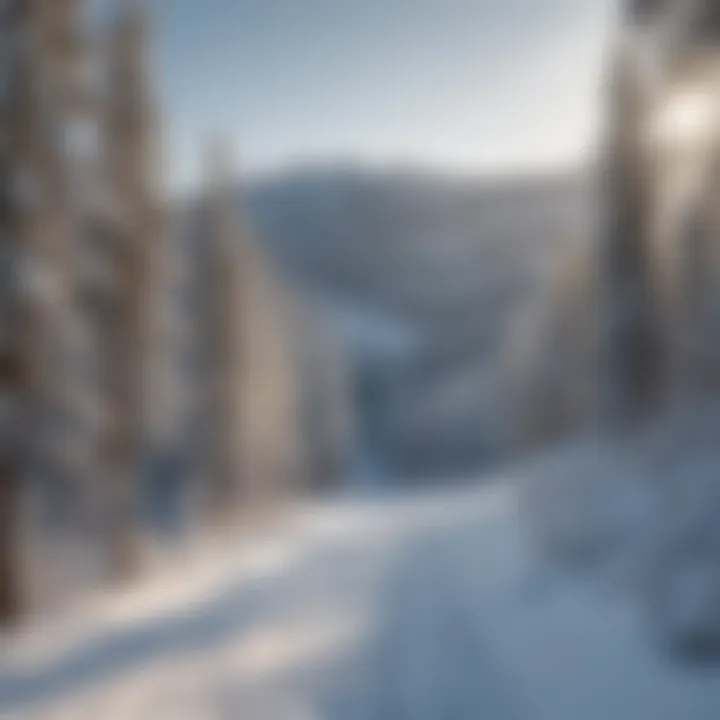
(40, 53)
(136, 222)
(219, 294)
(629, 359)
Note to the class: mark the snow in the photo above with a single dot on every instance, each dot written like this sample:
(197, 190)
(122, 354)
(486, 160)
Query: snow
(393, 608)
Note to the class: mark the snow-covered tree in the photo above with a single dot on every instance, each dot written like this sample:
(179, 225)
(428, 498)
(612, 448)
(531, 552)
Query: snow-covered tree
(136, 225)
(41, 53)
(250, 404)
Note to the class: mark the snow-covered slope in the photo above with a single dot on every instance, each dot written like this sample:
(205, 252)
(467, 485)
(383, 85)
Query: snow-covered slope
(392, 609)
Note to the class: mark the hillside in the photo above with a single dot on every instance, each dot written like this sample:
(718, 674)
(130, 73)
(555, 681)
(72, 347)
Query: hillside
(422, 275)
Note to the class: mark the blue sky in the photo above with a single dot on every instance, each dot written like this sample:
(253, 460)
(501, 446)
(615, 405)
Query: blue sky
(463, 85)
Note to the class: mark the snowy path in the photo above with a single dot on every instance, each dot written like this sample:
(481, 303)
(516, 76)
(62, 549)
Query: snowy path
(387, 610)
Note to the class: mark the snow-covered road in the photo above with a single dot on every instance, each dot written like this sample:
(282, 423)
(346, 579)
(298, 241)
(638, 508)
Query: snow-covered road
(388, 609)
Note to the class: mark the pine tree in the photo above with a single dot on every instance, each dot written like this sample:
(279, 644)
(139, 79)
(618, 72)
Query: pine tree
(219, 293)
(40, 52)
(252, 405)
(136, 222)
(629, 358)
(14, 361)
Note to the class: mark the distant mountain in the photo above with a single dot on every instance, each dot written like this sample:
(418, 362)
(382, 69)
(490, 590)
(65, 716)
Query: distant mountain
(422, 275)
